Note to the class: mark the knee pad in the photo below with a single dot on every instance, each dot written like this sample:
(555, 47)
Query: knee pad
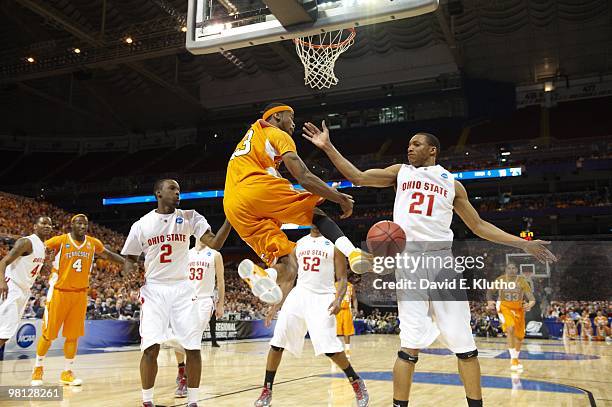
(468, 355)
(276, 348)
(407, 357)
(330, 355)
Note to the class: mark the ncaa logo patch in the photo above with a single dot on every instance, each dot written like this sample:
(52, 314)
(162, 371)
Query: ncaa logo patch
(209, 254)
(327, 243)
(26, 335)
(444, 175)
(67, 245)
(179, 220)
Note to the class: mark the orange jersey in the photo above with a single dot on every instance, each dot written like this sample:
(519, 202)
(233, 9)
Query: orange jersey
(347, 300)
(601, 321)
(73, 262)
(513, 298)
(258, 155)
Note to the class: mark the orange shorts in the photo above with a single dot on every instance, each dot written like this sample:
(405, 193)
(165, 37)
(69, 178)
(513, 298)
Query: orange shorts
(513, 316)
(344, 322)
(257, 209)
(67, 308)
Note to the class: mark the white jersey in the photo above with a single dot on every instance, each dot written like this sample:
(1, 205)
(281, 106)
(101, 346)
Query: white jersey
(424, 203)
(315, 256)
(164, 239)
(25, 269)
(202, 271)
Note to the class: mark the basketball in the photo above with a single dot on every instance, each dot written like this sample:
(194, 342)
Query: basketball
(386, 238)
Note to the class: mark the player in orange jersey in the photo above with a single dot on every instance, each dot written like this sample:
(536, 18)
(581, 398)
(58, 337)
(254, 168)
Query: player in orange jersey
(601, 325)
(511, 310)
(344, 318)
(257, 200)
(67, 295)
(569, 328)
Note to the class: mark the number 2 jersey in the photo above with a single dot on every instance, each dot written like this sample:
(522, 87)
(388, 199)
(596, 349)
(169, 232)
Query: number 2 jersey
(424, 203)
(24, 270)
(73, 260)
(164, 239)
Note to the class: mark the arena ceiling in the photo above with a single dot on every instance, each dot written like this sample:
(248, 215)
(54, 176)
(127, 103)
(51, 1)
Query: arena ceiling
(111, 87)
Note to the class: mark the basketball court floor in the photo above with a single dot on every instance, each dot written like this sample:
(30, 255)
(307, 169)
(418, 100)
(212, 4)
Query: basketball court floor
(556, 373)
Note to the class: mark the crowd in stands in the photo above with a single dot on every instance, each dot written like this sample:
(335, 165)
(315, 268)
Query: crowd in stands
(381, 323)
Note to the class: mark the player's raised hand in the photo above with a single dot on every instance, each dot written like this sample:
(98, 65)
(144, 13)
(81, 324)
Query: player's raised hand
(3, 290)
(538, 250)
(346, 204)
(334, 307)
(317, 137)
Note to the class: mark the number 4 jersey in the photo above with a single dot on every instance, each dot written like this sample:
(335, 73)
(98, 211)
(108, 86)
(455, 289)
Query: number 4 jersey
(424, 203)
(164, 239)
(73, 260)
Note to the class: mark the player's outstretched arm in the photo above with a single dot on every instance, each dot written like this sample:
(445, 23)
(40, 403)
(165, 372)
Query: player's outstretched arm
(377, 177)
(341, 278)
(129, 266)
(216, 241)
(22, 247)
(492, 233)
(220, 277)
(112, 256)
(314, 184)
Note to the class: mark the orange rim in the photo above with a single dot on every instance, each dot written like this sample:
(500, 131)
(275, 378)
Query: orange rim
(351, 37)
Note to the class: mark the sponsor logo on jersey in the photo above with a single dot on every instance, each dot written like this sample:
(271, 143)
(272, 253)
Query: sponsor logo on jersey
(26, 335)
(179, 220)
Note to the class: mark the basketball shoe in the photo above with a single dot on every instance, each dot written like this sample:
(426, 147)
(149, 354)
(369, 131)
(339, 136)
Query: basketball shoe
(148, 404)
(37, 376)
(181, 389)
(360, 261)
(265, 399)
(68, 378)
(361, 393)
(262, 282)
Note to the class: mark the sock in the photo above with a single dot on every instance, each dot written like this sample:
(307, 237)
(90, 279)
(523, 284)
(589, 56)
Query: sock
(474, 403)
(344, 245)
(512, 353)
(192, 394)
(347, 346)
(69, 364)
(517, 352)
(350, 373)
(147, 395)
(400, 403)
(269, 380)
(39, 360)
(181, 370)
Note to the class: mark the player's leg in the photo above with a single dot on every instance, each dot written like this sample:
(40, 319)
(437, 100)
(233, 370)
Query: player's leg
(56, 310)
(11, 310)
(154, 322)
(181, 376)
(74, 327)
(519, 335)
(186, 325)
(403, 371)
(453, 321)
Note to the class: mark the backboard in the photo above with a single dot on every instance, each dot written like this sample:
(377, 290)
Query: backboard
(528, 265)
(223, 25)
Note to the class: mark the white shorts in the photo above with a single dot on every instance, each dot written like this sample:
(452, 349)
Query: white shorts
(171, 306)
(205, 308)
(425, 315)
(305, 311)
(11, 310)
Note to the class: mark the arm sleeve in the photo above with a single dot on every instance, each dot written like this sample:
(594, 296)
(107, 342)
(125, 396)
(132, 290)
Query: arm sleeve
(133, 245)
(54, 243)
(280, 140)
(199, 225)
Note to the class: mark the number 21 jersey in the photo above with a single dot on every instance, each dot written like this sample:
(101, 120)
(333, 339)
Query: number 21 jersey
(164, 239)
(424, 203)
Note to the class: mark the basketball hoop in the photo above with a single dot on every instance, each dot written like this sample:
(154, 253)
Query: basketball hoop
(319, 54)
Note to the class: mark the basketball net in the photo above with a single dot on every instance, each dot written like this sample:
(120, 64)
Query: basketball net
(319, 54)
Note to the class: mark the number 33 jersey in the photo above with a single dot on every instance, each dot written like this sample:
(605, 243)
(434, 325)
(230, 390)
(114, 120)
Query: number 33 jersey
(424, 203)
(73, 260)
(202, 271)
(164, 239)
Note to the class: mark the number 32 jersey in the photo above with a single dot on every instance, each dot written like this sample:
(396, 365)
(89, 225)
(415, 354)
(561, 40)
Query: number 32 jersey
(73, 260)
(424, 203)
(164, 239)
